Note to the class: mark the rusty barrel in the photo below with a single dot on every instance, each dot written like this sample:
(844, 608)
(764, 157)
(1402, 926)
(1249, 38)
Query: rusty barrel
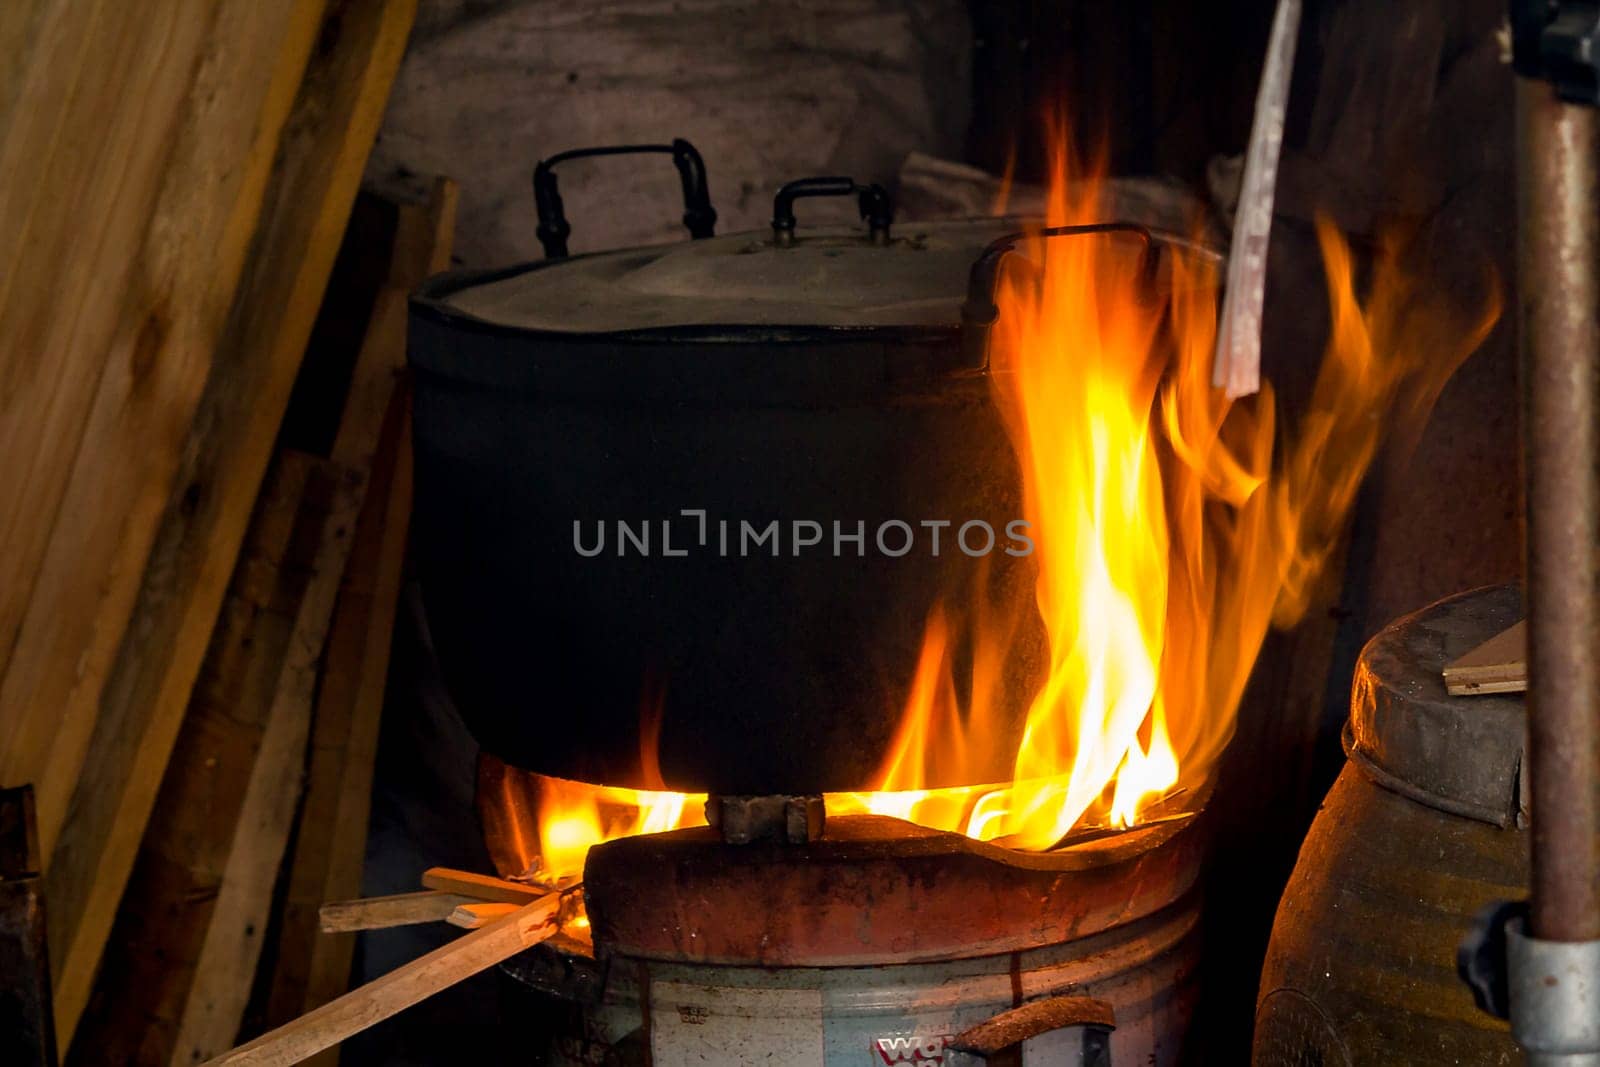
(1424, 827)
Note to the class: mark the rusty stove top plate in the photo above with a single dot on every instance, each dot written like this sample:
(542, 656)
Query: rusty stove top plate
(872, 889)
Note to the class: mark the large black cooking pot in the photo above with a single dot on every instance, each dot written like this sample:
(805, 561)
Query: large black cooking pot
(697, 393)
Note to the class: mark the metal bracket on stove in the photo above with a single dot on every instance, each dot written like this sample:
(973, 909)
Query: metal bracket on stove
(743, 819)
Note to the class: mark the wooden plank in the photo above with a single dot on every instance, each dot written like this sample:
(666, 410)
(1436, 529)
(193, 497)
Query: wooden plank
(1499, 665)
(232, 944)
(400, 988)
(323, 150)
(330, 844)
(479, 886)
(332, 823)
(380, 913)
(188, 260)
(347, 851)
(424, 240)
(149, 960)
(232, 948)
(472, 915)
(422, 245)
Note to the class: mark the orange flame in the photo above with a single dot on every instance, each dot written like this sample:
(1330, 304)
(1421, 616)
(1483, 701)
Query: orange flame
(1172, 527)
(542, 828)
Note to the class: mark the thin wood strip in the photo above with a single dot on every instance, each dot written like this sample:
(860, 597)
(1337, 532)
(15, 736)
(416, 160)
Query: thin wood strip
(331, 827)
(380, 913)
(148, 966)
(1499, 665)
(473, 914)
(1237, 365)
(324, 148)
(479, 886)
(232, 945)
(328, 973)
(360, 1008)
(331, 842)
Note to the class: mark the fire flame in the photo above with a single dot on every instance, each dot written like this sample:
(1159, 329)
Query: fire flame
(1172, 528)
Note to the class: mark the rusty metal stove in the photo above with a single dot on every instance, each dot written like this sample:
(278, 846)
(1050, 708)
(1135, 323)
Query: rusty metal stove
(864, 939)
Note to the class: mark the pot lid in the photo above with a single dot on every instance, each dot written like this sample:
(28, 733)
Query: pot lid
(837, 277)
(1459, 754)
(921, 275)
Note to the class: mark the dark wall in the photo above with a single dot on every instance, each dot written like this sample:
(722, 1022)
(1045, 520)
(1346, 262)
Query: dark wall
(767, 91)
(1159, 86)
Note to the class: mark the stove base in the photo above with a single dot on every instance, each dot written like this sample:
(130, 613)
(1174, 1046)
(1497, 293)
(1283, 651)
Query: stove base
(892, 1014)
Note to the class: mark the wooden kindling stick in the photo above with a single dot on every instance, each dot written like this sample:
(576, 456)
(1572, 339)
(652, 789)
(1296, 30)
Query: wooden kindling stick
(365, 1005)
(446, 891)
(479, 886)
(381, 913)
(472, 916)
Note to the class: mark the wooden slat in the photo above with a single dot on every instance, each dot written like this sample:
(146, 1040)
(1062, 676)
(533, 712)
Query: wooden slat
(330, 844)
(149, 962)
(474, 914)
(223, 976)
(232, 944)
(323, 150)
(479, 886)
(332, 826)
(345, 862)
(425, 240)
(400, 988)
(1499, 665)
(422, 244)
(380, 913)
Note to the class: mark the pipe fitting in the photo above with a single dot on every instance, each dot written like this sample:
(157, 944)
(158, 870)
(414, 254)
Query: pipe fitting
(1555, 998)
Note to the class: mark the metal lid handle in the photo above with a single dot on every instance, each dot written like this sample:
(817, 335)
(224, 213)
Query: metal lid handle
(979, 311)
(873, 200)
(698, 214)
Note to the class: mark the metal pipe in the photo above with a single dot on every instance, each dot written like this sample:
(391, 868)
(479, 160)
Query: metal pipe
(1559, 216)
